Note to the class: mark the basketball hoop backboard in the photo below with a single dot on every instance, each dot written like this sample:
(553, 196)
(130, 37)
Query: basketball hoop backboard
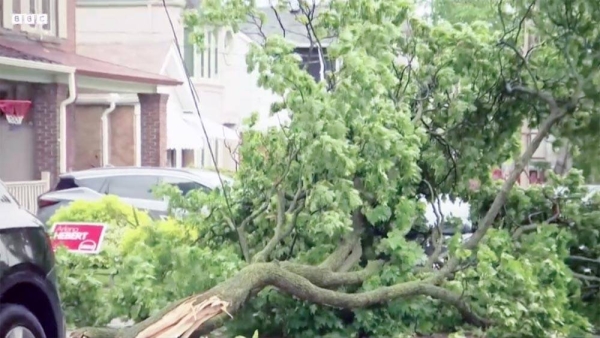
(15, 110)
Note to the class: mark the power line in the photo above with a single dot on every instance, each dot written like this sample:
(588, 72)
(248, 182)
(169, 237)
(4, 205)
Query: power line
(195, 99)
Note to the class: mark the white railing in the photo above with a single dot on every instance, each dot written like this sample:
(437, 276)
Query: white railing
(27, 192)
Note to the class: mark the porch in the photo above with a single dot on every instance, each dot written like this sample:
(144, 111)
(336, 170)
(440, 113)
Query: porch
(57, 134)
(27, 192)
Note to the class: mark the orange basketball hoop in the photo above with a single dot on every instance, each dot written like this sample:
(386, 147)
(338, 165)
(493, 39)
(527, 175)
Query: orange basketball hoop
(15, 110)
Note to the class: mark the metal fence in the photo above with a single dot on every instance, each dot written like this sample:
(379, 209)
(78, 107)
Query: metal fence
(27, 192)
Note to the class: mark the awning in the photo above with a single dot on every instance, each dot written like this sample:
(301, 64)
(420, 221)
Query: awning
(181, 134)
(184, 131)
(214, 130)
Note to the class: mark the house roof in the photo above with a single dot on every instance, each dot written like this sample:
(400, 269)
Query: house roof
(107, 3)
(15, 54)
(147, 57)
(295, 31)
(34, 51)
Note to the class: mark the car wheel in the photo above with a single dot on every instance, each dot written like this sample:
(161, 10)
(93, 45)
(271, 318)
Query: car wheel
(18, 322)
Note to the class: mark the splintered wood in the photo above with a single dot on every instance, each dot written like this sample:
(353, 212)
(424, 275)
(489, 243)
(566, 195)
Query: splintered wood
(186, 318)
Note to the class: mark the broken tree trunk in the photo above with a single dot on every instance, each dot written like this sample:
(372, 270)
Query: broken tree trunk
(190, 316)
(200, 314)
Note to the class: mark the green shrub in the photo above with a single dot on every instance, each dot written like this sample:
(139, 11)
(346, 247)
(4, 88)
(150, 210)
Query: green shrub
(84, 278)
(143, 264)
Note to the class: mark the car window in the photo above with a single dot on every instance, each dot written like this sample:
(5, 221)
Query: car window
(185, 185)
(65, 183)
(130, 186)
(95, 183)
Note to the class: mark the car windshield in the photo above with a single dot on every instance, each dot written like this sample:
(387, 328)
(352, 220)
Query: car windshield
(449, 208)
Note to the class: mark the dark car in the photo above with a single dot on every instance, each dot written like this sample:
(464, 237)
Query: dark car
(134, 185)
(29, 300)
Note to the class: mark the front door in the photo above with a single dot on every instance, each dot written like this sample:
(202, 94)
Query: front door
(17, 155)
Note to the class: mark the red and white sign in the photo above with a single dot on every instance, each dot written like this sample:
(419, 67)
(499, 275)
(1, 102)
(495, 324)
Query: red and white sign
(78, 237)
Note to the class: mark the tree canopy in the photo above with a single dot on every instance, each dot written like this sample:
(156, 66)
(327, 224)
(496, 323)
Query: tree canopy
(321, 233)
(465, 11)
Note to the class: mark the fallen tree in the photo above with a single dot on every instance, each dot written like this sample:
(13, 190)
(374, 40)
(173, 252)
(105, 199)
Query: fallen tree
(324, 206)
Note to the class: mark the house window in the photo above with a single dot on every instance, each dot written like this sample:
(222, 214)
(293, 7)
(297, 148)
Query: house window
(207, 61)
(312, 64)
(533, 177)
(187, 158)
(536, 176)
(171, 158)
(188, 51)
(48, 7)
(497, 174)
(206, 156)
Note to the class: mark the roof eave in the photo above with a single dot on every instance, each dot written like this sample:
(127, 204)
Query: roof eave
(128, 78)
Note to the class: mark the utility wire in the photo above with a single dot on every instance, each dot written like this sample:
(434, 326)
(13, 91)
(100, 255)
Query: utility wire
(195, 99)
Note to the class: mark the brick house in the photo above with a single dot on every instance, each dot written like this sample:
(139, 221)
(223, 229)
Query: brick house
(39, 64)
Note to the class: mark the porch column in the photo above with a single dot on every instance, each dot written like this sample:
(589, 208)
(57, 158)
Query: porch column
(178, 158)
(44, 113)
(153, 129)
(71, 111)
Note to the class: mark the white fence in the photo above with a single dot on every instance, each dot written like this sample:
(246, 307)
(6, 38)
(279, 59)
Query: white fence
(27, 192)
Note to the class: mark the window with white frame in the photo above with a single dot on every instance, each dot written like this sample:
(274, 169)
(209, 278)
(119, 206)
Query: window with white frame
(206, 63)
(37, 7)
(311, 62)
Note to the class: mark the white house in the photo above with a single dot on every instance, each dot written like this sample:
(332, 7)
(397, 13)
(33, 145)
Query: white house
(227, 92)
(139, 36)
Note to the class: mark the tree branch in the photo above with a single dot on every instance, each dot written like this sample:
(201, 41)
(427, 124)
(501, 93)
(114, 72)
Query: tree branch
(352, 259)
(241, 230)
(254, 215)
(236, 291)
(337, 258)
(583, 259)
(242, 240)
(438, 231)
(538, 94)
(586, 277)
(326, 278)
(556, 114)
(281, 231)
(530, 227)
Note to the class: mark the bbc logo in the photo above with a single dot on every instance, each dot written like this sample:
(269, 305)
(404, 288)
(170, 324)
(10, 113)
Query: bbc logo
(29, 19)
